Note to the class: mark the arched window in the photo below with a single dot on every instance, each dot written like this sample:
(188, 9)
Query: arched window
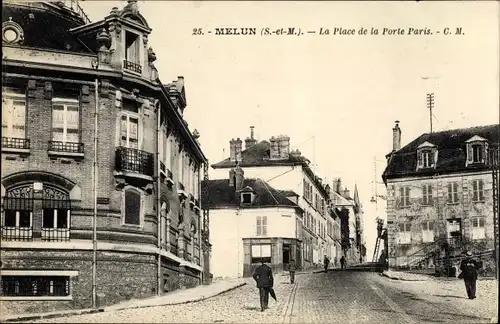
(132, 206)
(18, 214)
(56, 214)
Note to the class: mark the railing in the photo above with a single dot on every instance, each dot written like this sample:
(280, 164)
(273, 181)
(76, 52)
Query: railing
(181, 186)
(132, 66)
(162, 166)
(75, 7)
(133, 160)
(174, 249)
(18, 143)
(169, 174)
(424, 253)
(197, 202)
(55, 234)
(189, 257)
(17, 233)
(58, 146)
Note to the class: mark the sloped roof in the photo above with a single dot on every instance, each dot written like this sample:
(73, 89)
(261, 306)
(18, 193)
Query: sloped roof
(339, 200)
(288, 193)
(218, 193)
(451, 146)
(47, 27)
(259, 155)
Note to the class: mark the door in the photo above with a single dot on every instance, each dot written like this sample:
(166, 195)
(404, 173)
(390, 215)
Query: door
(286, 254)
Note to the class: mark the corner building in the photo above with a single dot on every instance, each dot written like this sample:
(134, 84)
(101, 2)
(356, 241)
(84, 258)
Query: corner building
(152, 234)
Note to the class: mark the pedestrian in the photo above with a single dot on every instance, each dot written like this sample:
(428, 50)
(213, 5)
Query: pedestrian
(469, 267)
(292, 267)
(263, 276)
(326, 263)
(335, 261)
(342, 262)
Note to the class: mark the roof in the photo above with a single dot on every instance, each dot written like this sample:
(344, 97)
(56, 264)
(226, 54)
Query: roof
(339, 200)
(45, 26)
(218, 193)
(259, 155)
(288, 193)
(451, 146)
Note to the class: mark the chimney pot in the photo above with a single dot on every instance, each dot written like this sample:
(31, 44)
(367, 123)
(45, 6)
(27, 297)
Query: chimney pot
(251, 132)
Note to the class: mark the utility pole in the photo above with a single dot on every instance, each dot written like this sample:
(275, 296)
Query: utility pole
(430, 105)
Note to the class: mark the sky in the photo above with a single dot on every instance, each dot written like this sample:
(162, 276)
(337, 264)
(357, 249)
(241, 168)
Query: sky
(336, 96)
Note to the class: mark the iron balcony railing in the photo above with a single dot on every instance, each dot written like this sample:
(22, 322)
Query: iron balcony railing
(75, 7)
(17, 233)
(134, 160)
(169, 174)
(55, 234)
(162, 167)
(181, 186)
(58, 146)
(16, 143)
(132, 66)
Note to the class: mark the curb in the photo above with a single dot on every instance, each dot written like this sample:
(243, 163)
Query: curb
(109, 309)
(53, 315)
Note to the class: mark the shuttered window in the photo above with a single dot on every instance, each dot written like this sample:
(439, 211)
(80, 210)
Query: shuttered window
(427, 194)
(452, 192)
(477, 191)
(132, 207)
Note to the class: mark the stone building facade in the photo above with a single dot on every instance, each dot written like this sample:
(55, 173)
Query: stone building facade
(151, 233)
(439, 198)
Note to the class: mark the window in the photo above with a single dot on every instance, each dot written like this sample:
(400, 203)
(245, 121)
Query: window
(426, 159)
(452, 193)
(261, 225)
(65, 120)
(132, 48)
(404, 234)
(246, 198)
(428, 231)
(261, 252)
(477, 153)
(132, 208)
(24, 286)
(13, 113)
(427, 194)
(181, 167)
(405, 196)
(477, 191)
(478, 228)
(129, 131)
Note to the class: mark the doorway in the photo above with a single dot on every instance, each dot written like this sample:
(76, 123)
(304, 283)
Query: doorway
(286, 254)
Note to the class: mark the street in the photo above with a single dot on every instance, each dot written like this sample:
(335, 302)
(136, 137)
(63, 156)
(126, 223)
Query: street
(334, 297)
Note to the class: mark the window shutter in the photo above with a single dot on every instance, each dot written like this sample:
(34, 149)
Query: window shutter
(259, 226)
(401, 227)
(480, 190)
(407, 196)
(450, 193)
(132, 207)
(429, 194)
(481, 222)
(455, 192)
(431, 226)
(408, 227)
(419, 159)
(485, 153)
(469, 153)
(264, 225)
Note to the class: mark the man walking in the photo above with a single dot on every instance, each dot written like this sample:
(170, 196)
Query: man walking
(292, 267)
(469, 267)
(342, 262)
(263, 276)
(326, 263)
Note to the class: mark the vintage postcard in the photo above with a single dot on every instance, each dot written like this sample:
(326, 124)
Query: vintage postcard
(250, 161)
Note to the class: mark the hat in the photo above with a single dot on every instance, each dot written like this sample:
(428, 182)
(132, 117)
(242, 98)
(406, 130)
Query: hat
(469, 253)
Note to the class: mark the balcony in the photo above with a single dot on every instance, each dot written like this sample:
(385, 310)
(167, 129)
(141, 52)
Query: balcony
(163, 168)
(66, 149)
(55, 234)
(17, 233)
(134, 163)
(15, 145)
(181, 190)
(131, 66)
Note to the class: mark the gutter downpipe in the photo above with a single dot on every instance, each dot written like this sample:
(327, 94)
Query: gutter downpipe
(94, 185)
(158, 201)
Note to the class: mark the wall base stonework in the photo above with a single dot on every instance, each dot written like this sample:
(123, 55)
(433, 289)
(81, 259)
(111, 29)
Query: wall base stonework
(120, 277)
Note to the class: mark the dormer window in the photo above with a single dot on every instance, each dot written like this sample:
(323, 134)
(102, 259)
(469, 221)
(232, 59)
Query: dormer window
(476, 150)
(426, 156)
(132, 52)
(246, 198)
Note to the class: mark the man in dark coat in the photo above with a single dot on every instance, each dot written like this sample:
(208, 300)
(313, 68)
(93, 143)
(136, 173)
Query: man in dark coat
(292, 267)
(469, 267)
(263, 275)
(326, 263)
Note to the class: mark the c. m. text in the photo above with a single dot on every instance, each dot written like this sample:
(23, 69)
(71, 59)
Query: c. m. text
(243, 31)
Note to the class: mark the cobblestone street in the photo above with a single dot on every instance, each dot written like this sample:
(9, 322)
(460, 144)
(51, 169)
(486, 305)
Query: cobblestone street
(334, 297)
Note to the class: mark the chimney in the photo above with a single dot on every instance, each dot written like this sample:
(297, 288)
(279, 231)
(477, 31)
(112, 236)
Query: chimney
(232, 150)
(338, 186)
(250, 141)
(295, 153)
(232, 179)
(238, 177)
(396, 137)
(347, 194)
(284, 147)
(238, 147)
(274, 153)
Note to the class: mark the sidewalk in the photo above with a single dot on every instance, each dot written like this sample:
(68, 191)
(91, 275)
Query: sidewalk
(176, 297)
(407, 276)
